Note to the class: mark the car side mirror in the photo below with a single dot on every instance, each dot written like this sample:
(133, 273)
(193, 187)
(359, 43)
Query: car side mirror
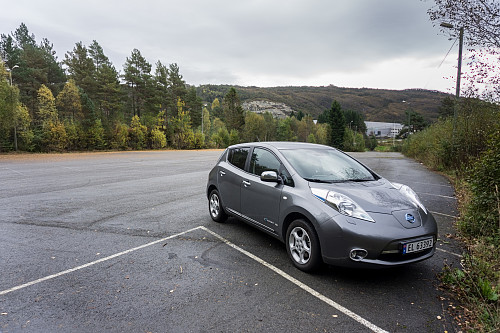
(270, 176)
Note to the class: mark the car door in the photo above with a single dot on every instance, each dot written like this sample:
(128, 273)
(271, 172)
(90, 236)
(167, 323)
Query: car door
(230, 177)
(260, 201)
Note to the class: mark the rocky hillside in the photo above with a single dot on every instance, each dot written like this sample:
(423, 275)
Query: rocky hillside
(278, 110)
(375, 104)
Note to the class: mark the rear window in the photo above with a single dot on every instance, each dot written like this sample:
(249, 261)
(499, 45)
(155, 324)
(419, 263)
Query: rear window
(238, 157)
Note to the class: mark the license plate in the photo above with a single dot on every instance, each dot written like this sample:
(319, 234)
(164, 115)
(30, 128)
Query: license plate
(418, 245)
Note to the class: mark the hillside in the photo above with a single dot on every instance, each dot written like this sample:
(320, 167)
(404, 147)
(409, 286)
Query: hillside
(375, 104)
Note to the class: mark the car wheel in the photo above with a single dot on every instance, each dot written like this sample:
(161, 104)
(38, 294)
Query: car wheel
(302, 245)
(215, 207)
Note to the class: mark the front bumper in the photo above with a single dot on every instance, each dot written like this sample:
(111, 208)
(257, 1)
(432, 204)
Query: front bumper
(382, 240)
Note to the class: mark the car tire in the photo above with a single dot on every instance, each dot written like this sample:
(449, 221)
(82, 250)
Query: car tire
(215, 209)
(302, 245)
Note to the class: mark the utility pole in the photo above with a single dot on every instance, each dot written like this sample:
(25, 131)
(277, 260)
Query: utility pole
(459, 71)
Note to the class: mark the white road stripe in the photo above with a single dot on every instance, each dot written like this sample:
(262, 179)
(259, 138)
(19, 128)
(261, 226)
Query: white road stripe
(49, 277)
(436, 195)
(301, 285)
(449, 252)
(442, 214)
(19, 173)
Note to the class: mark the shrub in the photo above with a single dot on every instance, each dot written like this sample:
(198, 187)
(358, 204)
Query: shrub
(158, 139)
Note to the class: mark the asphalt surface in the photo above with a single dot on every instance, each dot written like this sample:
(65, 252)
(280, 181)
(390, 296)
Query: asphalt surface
(123, 242)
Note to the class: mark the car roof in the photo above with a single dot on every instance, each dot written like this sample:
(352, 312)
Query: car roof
(283, 145)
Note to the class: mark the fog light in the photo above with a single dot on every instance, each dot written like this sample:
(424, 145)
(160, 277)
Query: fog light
(358, 254)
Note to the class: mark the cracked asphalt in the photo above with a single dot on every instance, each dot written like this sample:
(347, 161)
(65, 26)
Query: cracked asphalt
(120, 242)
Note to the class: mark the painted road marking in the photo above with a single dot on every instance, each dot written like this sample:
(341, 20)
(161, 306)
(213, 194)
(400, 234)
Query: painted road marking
(301, 285)
(53, 276)
(437, 195)
(449, 252)
(442, 214)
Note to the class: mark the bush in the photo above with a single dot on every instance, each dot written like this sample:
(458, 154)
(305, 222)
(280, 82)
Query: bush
(137, 134)
(119, 137)
(158, 139)
(482, 217)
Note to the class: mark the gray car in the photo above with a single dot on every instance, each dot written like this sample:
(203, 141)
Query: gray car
(323, 204)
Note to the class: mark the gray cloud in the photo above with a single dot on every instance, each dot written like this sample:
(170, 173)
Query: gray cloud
(224, 41)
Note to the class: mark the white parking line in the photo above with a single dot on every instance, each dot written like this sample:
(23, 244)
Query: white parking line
(442, 214)
(301, 285)
(49, 277)
(449, 252)
(437, 195)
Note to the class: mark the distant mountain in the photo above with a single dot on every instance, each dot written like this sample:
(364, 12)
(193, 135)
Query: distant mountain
(375, 104)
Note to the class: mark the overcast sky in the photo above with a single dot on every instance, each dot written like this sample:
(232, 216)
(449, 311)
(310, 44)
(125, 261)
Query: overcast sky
(348, 43)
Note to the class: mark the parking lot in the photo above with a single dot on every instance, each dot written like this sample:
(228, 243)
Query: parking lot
(123, 242)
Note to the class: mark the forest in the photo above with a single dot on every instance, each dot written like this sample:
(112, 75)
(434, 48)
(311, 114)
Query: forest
(84, 102)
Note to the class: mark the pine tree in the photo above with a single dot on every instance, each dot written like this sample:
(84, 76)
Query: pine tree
(336, 121)
(232, 110)
(140, 83)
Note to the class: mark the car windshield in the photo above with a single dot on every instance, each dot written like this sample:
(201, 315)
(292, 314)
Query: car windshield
(326, 166)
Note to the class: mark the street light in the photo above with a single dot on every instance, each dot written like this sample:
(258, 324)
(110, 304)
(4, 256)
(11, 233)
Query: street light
(460, 47)
(409, 119)
(10, 73)
(204, 106)
(459, 72)
(13, 111)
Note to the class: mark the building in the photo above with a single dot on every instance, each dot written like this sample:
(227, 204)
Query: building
(382, 130)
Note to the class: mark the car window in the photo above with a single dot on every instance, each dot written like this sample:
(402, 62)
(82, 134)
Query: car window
(238, 157)
(287, 178)
(263, 160)
(326, 165)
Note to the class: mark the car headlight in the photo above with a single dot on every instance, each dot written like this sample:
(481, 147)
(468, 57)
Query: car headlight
(410, 194)
(341, 203)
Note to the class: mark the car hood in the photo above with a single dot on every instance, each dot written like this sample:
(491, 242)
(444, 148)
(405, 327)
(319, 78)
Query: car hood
(373, 196)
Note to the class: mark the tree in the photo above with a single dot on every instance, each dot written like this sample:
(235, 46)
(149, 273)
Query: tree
(194, 106)
(34, 65)
(232, 110)
(371, 142)
(414, 121)
(47, 111)
(96, 135)
(335, 118)
(181, 126)
(68, 101)
(447, 107)
(305, 128)
(137, 133)
(139, 81)
(163, 97)
(176, 84)
(284, 130)
(81, 68)
(8, 101)
(254, 123)
(355, 121)
(107, 92)
(216, 109)
(480, 21)
(158, 139)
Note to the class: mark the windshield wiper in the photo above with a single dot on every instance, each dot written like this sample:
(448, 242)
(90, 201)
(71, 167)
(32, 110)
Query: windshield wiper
(360, 180)
(315, 180)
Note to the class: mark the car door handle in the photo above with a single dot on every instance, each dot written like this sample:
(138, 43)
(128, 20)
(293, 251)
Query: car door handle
(246, 183)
